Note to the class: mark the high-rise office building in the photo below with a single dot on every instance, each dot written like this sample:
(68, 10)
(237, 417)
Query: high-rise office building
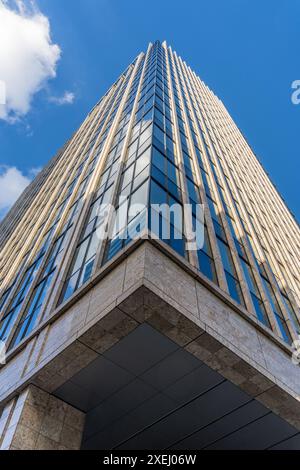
(120, 335)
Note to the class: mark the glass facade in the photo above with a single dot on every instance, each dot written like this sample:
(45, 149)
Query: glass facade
(158, 136)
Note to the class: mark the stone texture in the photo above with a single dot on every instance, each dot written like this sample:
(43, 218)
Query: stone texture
(40, 421)
(135, 268)
(111, 287)
(231, 326)
(281, 365)
(171, 279)
(64, 364)
(147, 286)
(108, 331)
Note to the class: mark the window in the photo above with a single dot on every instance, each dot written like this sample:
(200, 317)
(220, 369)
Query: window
(205, 258)
(85, 254)
(165, 173)
(277, 311)
(254, 292)
(162, 223)
(292, 313)
(230, 272)
(130, 219)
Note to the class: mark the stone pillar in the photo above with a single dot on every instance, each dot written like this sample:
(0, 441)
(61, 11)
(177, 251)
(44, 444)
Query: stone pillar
(37, 420)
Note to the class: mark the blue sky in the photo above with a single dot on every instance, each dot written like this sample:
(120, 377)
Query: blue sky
(246, 51)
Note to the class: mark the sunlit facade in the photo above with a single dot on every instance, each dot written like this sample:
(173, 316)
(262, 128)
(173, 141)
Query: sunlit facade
(158, 136)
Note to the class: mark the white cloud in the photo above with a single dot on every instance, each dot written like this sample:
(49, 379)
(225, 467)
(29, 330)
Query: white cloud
(12, 184)
(34, 171)
(28, 58)
(67, 98)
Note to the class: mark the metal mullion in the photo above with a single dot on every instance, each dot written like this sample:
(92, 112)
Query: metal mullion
(271, 222)
(102, 247)
(233, 248)
(26, 264)
(275, 266)
(238, 268)
(80, 270)
(238, 140)
(269, 309)
(215, 248)
(293, 260)
(210, 228)
(60, 277)
(73, 231)
(199, 181)
(275, 288)
(27, 244)
(29, 293)
(240, 276)
(11, 336)
(238, 137)
(188, 225)
(82, 176)
(11, 242)
(276, 270)
(25, 301)
(19, 315)
(60, 164)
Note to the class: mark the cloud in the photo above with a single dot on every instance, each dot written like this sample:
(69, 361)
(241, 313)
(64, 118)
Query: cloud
(12, 184)
(28, 58)
(33, 172)
(67, 98)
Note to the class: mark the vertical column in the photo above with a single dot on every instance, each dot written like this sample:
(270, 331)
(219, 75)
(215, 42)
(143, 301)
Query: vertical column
(66, 263)
(36, 420)
(188, 224)
(200, 183)
(114, 198)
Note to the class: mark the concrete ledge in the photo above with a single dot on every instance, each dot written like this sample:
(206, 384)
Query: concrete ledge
(148, 286)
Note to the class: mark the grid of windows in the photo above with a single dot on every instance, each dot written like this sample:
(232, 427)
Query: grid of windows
(85, 254)
(19, 313)
(171, 133)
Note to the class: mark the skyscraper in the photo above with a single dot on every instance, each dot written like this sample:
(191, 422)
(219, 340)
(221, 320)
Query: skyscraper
(118, 332)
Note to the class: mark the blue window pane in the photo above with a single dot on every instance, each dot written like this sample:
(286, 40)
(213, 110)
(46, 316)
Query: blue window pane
(239, 247)
(8, 322)
(114, 247)
(171, 171)
(4, 297)
(226, 257)
(158, 134)
(292, 314)
(260, 310)
(158, 144)
(206, 265)
(234, 288)
(158, 175)
(71, 285)
(31, 321)
(26, 326)
(219, 230)
(176, 241)
(283, 328)
(249, 277)
(173, 189)
(136, 226)
(158, 195)
(87, 270)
